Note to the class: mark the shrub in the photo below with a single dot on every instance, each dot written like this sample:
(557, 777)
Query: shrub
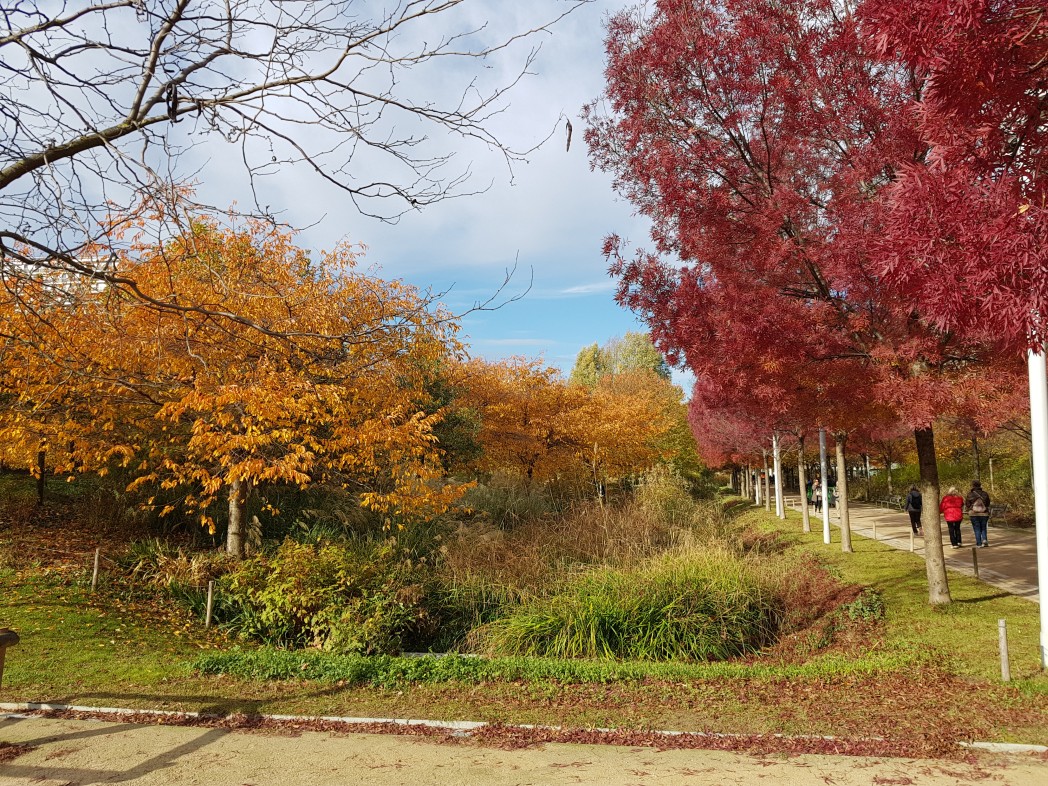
(340, 598)
(868, 607)
(506, 501)
(700, 606)
(663, 493)
(161, 564)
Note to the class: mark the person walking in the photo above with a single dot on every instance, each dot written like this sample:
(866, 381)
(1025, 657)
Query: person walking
(978, 504)
(952, 509)
(914, 503)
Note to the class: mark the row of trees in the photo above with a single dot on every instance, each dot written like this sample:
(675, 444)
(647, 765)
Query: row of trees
(848, 213)
(287, 371)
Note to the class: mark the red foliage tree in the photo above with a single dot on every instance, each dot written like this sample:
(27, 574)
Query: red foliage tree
(757, 136)
(968, 226)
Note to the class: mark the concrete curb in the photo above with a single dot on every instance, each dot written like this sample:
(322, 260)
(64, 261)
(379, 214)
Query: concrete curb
(12, 710)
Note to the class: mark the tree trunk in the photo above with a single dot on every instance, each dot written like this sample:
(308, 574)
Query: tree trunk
(866, 467)
(888, 466)
(802, 476)
(935, 561)
(767, 484)
(780, 503)
(842, 493)
(235, 529)
(41, 477)
(975, 456)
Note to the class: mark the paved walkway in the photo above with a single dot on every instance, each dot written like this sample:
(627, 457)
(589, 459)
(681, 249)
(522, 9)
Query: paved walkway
(80, 752)
(1010, 561)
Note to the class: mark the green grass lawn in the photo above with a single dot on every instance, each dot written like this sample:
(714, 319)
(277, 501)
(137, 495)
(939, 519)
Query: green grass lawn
(923, 673)
(963, 635)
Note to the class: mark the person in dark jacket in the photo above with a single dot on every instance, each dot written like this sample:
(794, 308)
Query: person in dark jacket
(978, 504)
(952, 509)
(913, 506)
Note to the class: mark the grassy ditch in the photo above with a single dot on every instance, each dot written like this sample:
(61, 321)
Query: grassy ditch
(853, 663)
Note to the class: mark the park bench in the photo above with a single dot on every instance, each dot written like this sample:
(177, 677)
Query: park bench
(998, 510)
(8, 638)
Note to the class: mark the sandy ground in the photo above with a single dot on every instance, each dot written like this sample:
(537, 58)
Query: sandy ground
(78, 752)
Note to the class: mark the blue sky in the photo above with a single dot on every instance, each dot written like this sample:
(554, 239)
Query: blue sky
(548, 219)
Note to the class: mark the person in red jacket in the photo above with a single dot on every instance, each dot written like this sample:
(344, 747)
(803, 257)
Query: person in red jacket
(952, 509)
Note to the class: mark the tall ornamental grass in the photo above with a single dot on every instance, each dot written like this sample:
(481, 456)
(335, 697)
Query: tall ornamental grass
(711, 605)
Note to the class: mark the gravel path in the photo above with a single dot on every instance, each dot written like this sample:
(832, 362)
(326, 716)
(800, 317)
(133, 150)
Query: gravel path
(72, 752)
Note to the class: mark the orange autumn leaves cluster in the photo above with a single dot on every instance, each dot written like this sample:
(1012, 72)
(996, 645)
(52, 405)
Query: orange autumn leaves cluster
(537, 425)
(279, 370)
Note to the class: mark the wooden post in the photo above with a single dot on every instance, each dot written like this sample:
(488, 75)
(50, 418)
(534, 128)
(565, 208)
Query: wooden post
(94, 574)
(911, 540)
(1002, 630)
(210, 602)
(875, 529)
(975, 560)
(8, 638)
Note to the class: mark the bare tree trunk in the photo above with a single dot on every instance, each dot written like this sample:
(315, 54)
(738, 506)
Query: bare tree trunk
(888, 466)
(235, 529)
(803, 482)
(935, 561)
(842, 493)
(767, 484)
(975, 456)
(41, 476)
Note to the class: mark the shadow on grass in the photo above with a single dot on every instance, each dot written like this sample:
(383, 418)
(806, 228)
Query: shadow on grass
(984, 598)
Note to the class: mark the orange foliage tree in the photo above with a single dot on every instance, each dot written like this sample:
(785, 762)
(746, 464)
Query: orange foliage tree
(296, 372)
(535, 424)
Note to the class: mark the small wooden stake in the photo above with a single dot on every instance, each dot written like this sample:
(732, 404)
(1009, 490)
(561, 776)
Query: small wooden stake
(975, 560)
(1002, 630)
(210, 601)
(911, 540)
(94, 574)
(875, 529)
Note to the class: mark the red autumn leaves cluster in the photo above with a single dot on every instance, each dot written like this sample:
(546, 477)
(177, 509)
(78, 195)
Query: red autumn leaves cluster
(834, 243)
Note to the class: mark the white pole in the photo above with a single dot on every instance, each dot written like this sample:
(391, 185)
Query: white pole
(767, 482)
(824, 480)
(1002, 636)
(991, 476)
(780, 507)
(1039, 438)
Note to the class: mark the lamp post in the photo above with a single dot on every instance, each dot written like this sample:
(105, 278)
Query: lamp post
(1039, 439)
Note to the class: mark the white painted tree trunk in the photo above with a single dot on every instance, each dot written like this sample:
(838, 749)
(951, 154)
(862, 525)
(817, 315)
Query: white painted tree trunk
(802, 479)
(823, 477)
(767, 483)
(780, 503)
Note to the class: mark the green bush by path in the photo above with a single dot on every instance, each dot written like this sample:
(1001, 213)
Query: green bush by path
(708, 605)
(335, 597)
